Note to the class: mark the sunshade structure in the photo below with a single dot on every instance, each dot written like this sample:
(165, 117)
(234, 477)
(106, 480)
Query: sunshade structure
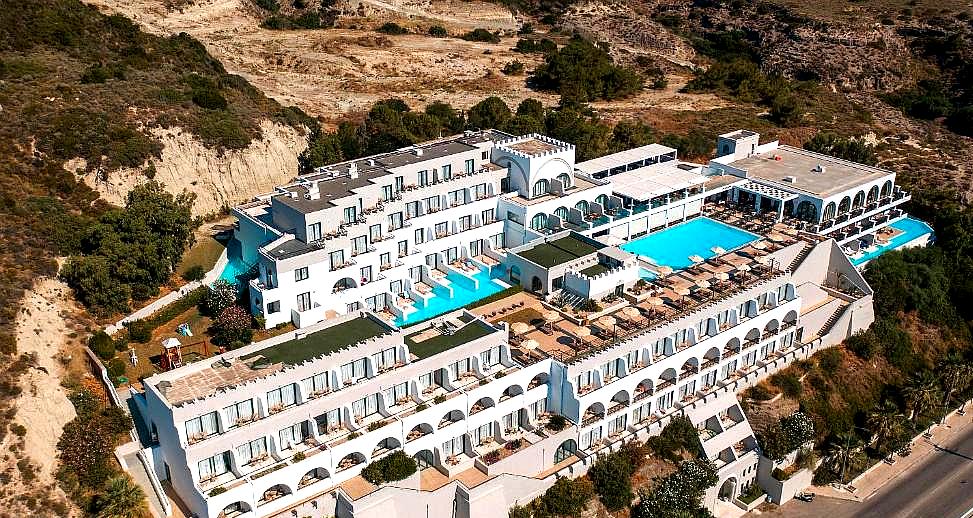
(519, 328)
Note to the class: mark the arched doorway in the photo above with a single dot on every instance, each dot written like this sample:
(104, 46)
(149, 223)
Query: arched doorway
(728, 489)
(424, 459)
(807, 211)
(565, 450)
(536, 284)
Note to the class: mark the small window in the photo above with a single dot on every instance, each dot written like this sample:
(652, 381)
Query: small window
(273, 307)
(300, 274)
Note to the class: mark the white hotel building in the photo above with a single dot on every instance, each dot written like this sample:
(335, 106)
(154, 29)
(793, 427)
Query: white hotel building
(284, 427)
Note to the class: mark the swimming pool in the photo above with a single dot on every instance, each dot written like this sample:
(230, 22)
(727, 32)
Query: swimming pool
(911, 229)
(465, 291)
(673, 246)
(235, 267)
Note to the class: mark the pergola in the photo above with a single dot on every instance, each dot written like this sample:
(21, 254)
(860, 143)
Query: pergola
(760, 191)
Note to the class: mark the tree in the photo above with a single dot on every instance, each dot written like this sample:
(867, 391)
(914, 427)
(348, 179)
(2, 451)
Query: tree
(921, 391)
(955, 374)
(531, 108)
(232, 328)
(567, 497)
(631, 134)
(612, 477)
(678, 435)
(122, 498)
(855, 150)
(885, 425)
(491, 112)
(844, 449)
(447, 116)
(680, 494)
(582, 72)
(577, 124)
(395, 466)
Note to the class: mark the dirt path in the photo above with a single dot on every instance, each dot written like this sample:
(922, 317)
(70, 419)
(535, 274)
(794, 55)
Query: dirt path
(43, 331)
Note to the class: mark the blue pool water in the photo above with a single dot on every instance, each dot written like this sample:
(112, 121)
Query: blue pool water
(464, 292)
(647, 274)
(911, 228)
(235, 267)
(673, 246)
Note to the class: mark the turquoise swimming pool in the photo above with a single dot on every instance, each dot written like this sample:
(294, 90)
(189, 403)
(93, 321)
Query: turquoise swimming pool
(235, 267)
(673, 246)
(465, 291)
(911, 229)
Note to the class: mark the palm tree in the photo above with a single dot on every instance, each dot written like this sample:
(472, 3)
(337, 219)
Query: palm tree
(955, 374)
(885, 424)
(123, 498)
(921, 391)
(840, 450)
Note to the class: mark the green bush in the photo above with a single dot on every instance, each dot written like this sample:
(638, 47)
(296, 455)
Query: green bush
(194, 273)
(392, 28)
(209, 98)
(557, 423)
(679, 435)
(514, 68)
(116, 368)
(758, 393)
(582, 72)
(139, 331)
(218, 490)
(394, 466)
(269, 5)
(438, 31)
(611, 475)
(222, 130)
(531, 45)
(481, 35)
(788, 383)
(102, 345)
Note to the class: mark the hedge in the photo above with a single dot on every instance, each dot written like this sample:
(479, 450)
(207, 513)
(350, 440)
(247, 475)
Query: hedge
(166, 314)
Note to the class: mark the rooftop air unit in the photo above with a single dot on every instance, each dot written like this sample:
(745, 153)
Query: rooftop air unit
(790, 179)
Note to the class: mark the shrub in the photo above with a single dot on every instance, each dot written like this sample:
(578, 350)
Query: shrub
(194, 273)
(439, 399)
(102, 345)
(438, 31)
(788, 383)
(678, 435)
(481, 35)
(679, 493)
(222, 294)
(557, 423)
(829, 360)
(375, 425)
(209, 98)
(218, 490)
(139, 331)
(758, 393)
(116, 369)
(232, 328)
(788, 434)
(298, 457)
(567, 497)
(526, 28)
(491, 457)
(269, 5)
(514, 68)
(582, 72)
(392, 29)
(394, 466)
(529, 46)
(421, 406)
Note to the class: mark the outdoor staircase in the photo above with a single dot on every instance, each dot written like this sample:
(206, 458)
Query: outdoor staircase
(832, 320)
(801, 256)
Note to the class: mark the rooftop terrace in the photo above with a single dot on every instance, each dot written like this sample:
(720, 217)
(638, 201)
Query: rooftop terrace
(814, 173)
(558, 251)
(430, 341)
(325, 341)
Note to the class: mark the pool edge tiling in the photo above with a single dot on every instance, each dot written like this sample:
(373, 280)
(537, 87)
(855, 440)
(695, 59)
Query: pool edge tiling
(658, 246)
(916, 229)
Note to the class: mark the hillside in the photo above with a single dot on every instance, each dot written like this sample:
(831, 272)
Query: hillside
(86, 96)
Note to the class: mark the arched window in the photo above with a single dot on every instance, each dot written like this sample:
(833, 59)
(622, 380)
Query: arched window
(539, 221)
(602, 200)
(540, 188)
(873, 194)
(887, 189)
(582, 206)
(829, 211)
(565, 180)
(561, 212)
(859, 200)
(515, 274)
(807, 211)
(565, 450)
(845, 205)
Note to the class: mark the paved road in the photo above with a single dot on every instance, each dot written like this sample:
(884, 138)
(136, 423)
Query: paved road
(940, 487)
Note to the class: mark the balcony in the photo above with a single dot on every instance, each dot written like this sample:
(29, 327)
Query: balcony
(591, 418)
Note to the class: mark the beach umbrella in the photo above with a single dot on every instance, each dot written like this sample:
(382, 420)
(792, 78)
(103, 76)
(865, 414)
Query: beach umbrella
(519, 328)
(607, 322)
(582, 333)
(696, 259)
(722, 276)
(702, 284)
(759, 245)
(664, 270)
(682, 292)
(655, 301)
(530, 345)
(764, 259)
(551, 316)
(743, 268)
(631, 312)
(718, 250)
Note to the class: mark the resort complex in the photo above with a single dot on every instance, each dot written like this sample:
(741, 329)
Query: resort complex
(503, 315)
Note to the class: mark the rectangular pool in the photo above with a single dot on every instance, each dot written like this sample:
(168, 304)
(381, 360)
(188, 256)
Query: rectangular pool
(911, 229)
(673, 246)
(465, 292)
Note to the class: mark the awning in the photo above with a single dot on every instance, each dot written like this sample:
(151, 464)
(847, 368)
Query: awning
(767, 191)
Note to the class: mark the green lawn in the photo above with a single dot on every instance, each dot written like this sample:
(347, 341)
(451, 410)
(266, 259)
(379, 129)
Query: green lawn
(591, 271)
(321, 342)
(204, 253)
(436, 345)
(558, 251)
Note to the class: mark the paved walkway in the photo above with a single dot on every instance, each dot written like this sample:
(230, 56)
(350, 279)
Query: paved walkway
(869, 483)
(141, 477)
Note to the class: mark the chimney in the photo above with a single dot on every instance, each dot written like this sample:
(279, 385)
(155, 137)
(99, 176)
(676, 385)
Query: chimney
(353, 170)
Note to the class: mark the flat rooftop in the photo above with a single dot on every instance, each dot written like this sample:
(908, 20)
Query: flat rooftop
(533, 146)
(623, 158)
(559, 251)
(325, 341)
(659, 179)
(430, 341)
(836, 177)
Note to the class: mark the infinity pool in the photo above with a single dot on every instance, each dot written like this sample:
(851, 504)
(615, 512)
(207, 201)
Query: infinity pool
(673, 246)
(235, 267)
(465, 292)
(911, 229)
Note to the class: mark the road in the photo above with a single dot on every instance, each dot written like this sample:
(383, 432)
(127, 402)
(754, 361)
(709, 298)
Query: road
(939, 487)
